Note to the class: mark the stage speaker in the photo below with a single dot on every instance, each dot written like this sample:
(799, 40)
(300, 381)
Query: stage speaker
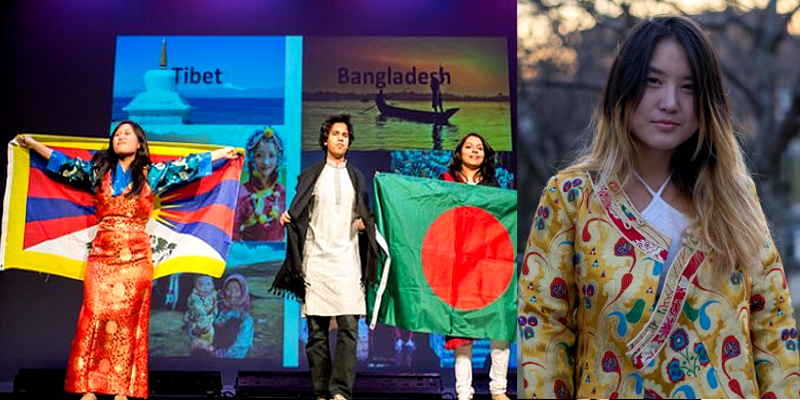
(398, 386)
(41, 383)
(163, 384)
(274, 385)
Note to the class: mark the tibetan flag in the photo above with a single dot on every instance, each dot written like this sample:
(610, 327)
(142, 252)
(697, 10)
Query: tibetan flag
(48, 225)
(452, 249)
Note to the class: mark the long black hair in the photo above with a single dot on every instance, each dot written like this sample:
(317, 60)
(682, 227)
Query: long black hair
(627, 82)
(106, 160)
(486, 169)
(709, 168)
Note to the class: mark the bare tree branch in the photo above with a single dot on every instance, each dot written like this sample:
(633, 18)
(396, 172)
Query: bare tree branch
(569, 85)
(729, 17)
(788, 129)
(748, 93)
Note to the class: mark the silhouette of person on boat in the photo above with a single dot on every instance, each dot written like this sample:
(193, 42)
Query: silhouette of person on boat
(436, 96)
(380, 99)
(388, 110)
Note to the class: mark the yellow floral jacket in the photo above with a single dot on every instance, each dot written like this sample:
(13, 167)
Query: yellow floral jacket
(591, 325)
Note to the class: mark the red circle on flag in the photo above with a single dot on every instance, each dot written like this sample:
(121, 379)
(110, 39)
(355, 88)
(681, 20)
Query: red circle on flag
(468, 258)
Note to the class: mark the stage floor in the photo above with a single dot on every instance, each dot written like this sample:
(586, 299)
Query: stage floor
(48, 384)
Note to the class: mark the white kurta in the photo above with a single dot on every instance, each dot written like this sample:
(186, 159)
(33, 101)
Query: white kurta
(331, 261)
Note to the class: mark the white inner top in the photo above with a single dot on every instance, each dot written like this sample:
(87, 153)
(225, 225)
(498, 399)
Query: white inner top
(666, 219)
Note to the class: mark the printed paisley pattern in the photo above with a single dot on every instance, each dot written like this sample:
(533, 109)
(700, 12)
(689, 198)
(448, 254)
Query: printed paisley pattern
(591, 326)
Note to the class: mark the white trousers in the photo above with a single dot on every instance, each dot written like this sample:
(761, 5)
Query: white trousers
(497, 373)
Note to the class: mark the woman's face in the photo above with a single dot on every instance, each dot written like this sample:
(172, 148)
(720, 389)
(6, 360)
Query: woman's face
(125, 141)
(472, 152)
(265, 158)
(233, 291)
(665, 118)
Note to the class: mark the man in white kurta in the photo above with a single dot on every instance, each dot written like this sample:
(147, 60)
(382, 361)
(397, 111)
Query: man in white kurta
(332, 265)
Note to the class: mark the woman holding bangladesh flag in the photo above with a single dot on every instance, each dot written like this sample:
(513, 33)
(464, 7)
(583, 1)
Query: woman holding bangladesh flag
(473, 163)
(450, 265)
(109, 351)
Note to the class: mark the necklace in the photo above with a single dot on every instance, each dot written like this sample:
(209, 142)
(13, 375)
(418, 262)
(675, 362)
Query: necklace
(266, 207)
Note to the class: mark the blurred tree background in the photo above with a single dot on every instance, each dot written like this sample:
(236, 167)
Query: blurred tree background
(564, 52)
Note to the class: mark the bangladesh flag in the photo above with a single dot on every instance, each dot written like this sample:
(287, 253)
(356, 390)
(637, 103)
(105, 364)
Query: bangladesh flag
(452, 257)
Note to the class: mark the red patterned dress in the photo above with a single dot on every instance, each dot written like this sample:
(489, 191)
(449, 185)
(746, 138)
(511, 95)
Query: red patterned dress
(109, 352)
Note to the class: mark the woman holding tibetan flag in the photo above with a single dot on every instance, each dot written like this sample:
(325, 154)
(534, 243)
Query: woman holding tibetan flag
(473, 163)
(649, 270)
(109, 352)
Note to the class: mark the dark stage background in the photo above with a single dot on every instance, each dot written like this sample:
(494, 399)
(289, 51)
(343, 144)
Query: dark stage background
(57, 77)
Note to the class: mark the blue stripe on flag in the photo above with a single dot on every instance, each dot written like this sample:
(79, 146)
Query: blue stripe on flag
(43, 209)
